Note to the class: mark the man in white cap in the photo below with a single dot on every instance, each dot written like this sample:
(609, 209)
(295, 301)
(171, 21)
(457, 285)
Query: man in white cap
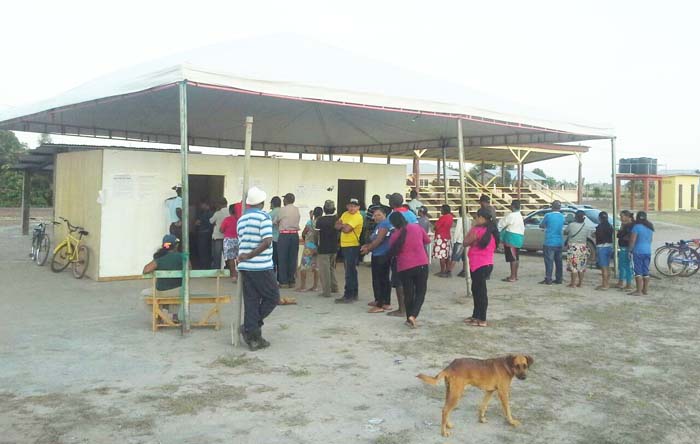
(173, 204)
(260, 291)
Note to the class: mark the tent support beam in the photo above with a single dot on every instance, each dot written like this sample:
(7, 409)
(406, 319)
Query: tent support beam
(184, 148)
(445, 180)
(463, 201)
(579, 186)
(613, 162)
(236, 324)
(26, 199)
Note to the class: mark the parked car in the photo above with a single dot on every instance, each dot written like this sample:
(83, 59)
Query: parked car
(534, 235)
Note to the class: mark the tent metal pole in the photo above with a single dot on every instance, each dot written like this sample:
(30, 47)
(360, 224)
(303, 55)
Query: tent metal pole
(465, 215)
(236, 324)
(613, 162)
(445, 181)
(184, 148)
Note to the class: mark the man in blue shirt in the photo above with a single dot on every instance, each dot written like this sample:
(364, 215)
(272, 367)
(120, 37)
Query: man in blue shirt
(553, 224)
(257, 276)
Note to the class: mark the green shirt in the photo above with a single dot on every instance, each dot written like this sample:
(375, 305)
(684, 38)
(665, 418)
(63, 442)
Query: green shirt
(171, 261)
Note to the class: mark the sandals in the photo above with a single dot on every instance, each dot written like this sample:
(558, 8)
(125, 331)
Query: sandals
(478, 323)
(372, 303)
(508, 280)
(376, 309)
(469, 320)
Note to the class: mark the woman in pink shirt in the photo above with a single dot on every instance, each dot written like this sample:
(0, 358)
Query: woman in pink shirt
(229, 228)
(407, 244)
(482, 240)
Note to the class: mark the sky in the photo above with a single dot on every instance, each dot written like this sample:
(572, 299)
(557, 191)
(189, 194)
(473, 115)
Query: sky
(631, 65)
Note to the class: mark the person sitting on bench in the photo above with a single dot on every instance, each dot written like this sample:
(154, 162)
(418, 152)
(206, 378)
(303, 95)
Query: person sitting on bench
(168, 257)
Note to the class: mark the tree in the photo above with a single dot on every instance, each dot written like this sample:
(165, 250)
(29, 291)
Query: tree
(539, 172)
(11, 181)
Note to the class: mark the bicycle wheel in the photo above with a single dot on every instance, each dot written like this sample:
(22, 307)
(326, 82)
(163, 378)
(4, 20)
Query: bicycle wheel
(81, 262)
(32, 255)
(42, 252)
(678, 260)
(692, 263)
(663, 262)
(60, 260)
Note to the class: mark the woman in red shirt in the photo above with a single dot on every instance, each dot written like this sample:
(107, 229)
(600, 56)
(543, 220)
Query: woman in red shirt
(407, 244)
(443, 241)
(229, 228)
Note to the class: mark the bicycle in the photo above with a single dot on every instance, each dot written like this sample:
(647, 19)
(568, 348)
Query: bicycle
(678, 258)
(71, 251)
(41, 242)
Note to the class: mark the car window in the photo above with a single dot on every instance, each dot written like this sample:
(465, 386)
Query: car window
(535, 218)
(593, 215)
(568, 218)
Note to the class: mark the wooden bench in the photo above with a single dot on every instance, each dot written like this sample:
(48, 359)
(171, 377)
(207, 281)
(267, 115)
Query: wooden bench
(160, 319)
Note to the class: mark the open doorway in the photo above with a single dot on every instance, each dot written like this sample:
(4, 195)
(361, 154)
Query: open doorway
(348, 189)
(205, 191)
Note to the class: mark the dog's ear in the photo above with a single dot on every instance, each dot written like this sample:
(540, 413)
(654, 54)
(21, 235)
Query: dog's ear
(530, 361)
(510, 361)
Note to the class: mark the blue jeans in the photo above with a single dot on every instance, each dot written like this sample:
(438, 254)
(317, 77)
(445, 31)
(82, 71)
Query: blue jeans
(552, 258)
(287, 257)
(351, 256)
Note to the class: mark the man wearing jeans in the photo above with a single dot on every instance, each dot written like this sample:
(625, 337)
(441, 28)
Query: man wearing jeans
(287, 221)
(327, 249)
(350, 227)
(553, 224)
(260, 292)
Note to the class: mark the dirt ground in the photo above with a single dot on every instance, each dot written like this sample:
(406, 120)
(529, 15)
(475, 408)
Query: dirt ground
(79, 364)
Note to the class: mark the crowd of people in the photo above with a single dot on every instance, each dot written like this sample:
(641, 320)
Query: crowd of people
(263, 246)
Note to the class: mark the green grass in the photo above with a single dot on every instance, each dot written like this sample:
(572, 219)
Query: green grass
(685, 218)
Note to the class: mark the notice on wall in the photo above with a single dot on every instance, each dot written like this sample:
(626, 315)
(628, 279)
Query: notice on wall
(123, 186)
(146, 186)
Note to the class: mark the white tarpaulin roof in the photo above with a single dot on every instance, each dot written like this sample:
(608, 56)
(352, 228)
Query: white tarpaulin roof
(305, 97)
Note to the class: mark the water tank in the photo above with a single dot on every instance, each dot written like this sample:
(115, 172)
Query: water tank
(638, 165)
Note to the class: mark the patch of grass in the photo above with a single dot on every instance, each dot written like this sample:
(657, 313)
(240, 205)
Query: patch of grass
(210, 398)
(361, 408)
(259, 407)
(282, 396)
(298, 372)
(264, 389)
(295, 420)
(399, 437)
(685, 218)
(284, 326)
(233, 361)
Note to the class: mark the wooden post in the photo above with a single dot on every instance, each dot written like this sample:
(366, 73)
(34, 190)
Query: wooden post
(631, 194)
(579, 186)
(446, 181)
(646, 194)
(438, 170)
(362, 158)
(520, 180)
(388, 159)
(503, 174)
(236, 324)
(658, 194)
(26, 200)
(463, 201)
(613, 164)
(184, 178)
(416, 171)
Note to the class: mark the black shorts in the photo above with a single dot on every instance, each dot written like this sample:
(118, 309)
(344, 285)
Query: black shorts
(512, 253)
(395, 278)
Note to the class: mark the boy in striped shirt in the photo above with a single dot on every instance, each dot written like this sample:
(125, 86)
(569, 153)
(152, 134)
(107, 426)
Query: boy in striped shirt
(260, 291)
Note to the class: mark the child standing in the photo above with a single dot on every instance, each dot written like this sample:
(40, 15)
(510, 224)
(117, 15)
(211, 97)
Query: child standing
(442, 250)
(308, 257)
(626, 274)
(229, 228)
(640, 244)
(604, 248)
(482, 240)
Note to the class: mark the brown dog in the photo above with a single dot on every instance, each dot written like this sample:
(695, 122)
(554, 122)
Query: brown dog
(489, 375)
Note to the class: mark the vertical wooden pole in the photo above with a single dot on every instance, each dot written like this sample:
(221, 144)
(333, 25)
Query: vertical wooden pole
(503, 174)
(446, 181)
(236, 324)
(646, 194)
(416, 172)
(632, 194)
(658, 197)
(184, 178)
(520, 179)
(579, 186)
(26, 199)
(388, 159)
(463, 201)
(613, 174)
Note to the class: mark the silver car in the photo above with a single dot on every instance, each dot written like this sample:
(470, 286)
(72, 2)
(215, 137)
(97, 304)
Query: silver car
(534, 235)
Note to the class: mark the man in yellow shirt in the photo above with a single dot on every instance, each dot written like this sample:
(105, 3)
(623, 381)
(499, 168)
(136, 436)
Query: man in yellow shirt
(350, 227)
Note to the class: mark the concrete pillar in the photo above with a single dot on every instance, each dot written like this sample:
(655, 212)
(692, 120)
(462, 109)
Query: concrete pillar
(416, 172)
(26, 200)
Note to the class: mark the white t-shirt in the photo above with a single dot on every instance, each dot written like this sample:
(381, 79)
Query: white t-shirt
(216, 220)
(171, 205)
(457, 231)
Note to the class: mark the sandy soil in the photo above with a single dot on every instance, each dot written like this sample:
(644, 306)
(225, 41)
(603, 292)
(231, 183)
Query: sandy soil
(79, 364)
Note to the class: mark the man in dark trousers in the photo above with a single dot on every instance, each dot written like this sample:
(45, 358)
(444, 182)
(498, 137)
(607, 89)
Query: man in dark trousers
(257, 276)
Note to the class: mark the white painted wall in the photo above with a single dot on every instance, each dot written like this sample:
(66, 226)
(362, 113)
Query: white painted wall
(133, 225)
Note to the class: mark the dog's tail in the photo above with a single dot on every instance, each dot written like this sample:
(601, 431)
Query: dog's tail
(430, 380)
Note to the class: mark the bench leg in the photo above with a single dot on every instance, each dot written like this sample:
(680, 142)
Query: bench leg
(205, 320)
(165, 318)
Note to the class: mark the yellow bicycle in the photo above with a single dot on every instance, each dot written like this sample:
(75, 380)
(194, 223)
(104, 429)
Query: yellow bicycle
(71, 251)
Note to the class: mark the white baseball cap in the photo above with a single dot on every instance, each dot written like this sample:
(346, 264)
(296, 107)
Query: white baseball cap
(255, 196)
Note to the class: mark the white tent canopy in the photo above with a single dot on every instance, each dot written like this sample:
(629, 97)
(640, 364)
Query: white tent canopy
(305, 97)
